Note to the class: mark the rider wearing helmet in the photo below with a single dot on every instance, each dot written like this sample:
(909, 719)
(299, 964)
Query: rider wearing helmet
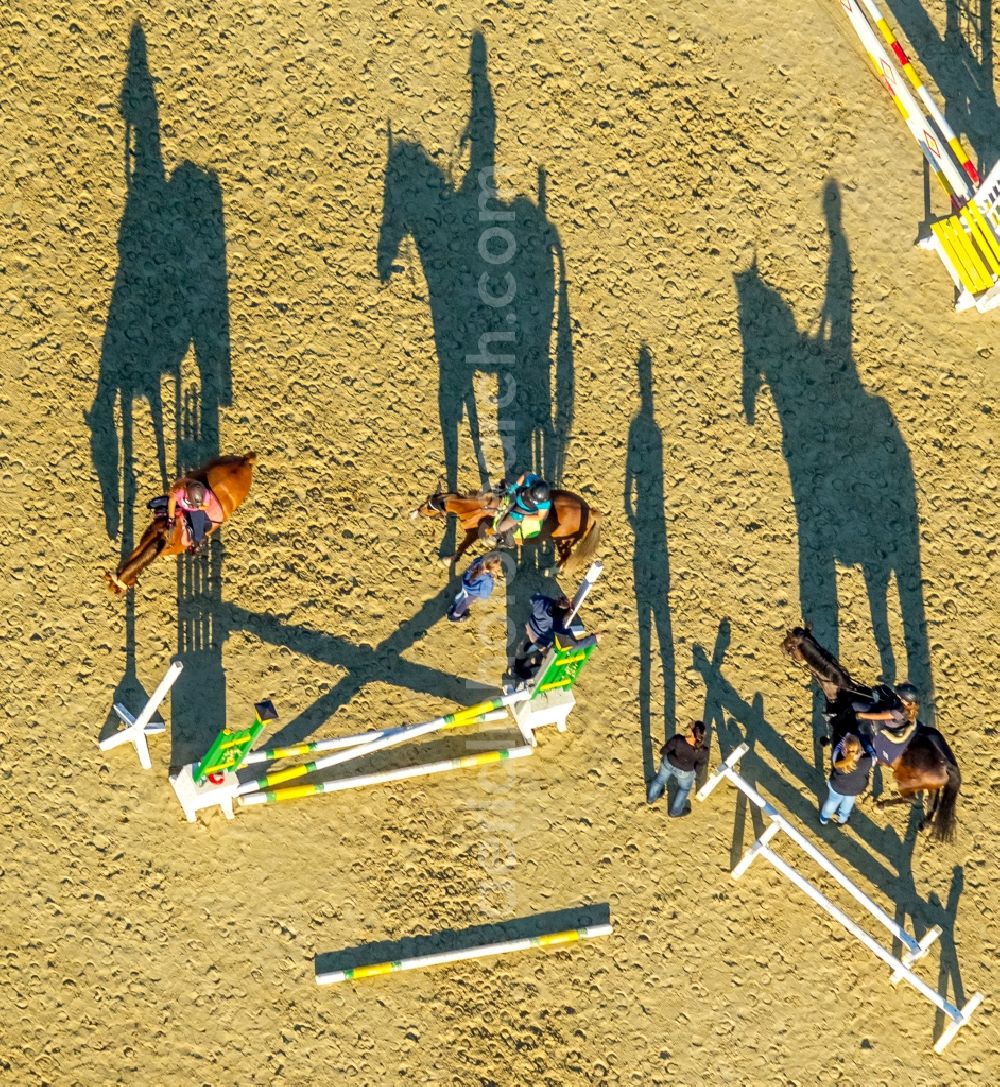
(530, 498)
(199, 507)
(889, 709)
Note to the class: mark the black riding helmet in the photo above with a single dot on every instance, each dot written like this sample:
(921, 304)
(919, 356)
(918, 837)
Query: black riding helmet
(539, 492)
(907, 692)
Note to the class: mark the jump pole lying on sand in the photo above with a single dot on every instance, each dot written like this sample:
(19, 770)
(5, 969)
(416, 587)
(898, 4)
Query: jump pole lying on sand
(138, 728)
(460, 718)
(463, 762)
(961, 155)
(916, 949)
(337, 743)
(935, 147)
(555, 939)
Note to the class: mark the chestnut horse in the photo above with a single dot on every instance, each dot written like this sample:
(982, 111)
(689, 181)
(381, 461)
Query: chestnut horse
(926, 763)
(229, 480)
(572, 525)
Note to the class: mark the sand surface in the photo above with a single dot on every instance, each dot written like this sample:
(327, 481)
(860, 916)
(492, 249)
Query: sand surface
(257, 226)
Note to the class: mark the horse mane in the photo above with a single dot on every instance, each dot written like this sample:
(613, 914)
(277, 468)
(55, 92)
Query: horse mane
(803, 648)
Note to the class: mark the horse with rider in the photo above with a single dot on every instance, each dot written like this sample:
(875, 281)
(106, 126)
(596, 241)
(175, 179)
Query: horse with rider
(885, 720)
(183, 519)
(527, 510)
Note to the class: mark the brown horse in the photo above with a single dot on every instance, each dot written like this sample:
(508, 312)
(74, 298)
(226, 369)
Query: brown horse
(229, 480)
(926, 763)
(572, 525)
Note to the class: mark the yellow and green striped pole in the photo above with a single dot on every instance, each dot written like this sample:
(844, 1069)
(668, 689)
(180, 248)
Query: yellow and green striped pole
(554, 939)
(460, 718)
(462, 762)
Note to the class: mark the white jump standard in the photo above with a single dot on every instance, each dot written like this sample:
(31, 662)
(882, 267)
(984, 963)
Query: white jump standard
(915, 949)
(215, 781)
(138, 728)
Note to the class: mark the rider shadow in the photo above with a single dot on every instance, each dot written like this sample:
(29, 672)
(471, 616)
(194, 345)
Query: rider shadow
(849, 467)
(645, 508)
(170, 294)
(737, 721)
(491, 267)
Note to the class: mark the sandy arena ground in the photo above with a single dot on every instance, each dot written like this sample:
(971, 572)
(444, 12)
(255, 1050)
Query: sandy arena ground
(256, 226)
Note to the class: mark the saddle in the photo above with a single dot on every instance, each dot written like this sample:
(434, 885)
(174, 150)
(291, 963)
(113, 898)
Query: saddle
(890, 743)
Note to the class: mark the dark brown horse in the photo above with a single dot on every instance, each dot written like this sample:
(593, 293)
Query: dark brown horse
(926, 763)
(572, 525)
(228, 478)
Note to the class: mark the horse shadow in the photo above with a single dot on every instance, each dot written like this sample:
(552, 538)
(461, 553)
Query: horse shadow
(496, 281)
(849, 466)
(645, 508)
(170, 295)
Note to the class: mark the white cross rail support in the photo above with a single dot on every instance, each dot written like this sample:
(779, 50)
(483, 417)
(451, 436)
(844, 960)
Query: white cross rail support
(138, 728)
(915, 949)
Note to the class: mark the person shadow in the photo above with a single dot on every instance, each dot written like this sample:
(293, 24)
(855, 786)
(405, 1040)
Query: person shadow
(496, 280)
(645, 509)
(170, 296)
(848, 464)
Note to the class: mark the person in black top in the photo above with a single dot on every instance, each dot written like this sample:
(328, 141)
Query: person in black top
(848, 779)
(682, 756)
(546, 626)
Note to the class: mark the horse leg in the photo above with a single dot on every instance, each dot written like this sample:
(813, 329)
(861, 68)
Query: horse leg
(928, 819)
(906, 793)
(564, 549)
(899, 798)
(153, 542)
(471, 536)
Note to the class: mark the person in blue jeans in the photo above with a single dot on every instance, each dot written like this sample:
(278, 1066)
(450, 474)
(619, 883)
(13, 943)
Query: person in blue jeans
(477, 584)
(848, 780)
(682, 756)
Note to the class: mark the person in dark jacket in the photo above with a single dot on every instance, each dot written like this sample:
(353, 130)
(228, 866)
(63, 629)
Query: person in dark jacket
(546, 626)
(682, 756)
(848, 779)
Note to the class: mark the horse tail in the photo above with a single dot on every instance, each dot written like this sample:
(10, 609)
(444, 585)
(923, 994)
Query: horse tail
(587, 547)
(943, 828)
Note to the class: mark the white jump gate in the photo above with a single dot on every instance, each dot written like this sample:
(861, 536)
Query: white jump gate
(915, 949)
